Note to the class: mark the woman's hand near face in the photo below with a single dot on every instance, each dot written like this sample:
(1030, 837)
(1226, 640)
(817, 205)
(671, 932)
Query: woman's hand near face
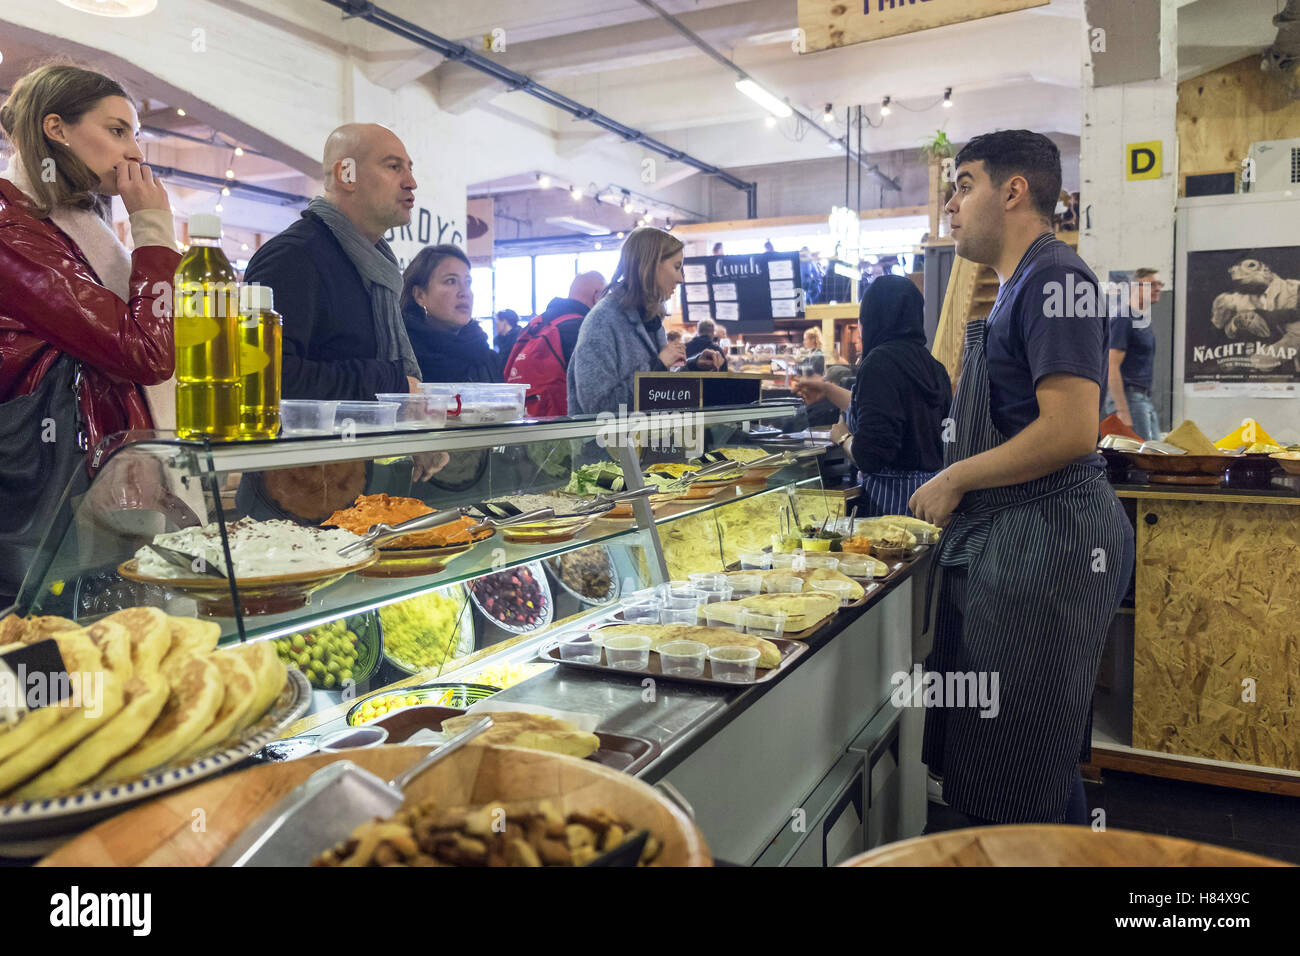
(811, 388)
(139, 189)
(674, 353)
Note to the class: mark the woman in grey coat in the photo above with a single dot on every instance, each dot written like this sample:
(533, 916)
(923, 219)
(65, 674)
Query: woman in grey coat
(623, 333)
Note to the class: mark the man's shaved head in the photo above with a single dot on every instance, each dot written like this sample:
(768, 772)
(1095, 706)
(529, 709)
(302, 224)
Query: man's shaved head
(368, 177)
(587, 288)
(357, 142)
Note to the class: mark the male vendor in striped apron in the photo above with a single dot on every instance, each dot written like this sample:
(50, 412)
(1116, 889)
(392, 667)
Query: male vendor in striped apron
(1036, 552)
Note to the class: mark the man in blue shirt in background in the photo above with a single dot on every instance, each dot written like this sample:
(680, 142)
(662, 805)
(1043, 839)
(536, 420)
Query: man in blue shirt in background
(1132, 356)
(1036, 551)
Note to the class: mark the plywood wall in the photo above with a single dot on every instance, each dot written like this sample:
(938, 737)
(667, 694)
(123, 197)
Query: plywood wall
(1222, 112)
(1216, 649)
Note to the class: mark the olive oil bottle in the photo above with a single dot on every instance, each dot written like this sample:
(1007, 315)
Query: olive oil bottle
(260, 346)
(207, 337)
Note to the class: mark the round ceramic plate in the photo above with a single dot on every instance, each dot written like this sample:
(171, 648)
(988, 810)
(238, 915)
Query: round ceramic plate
(545, 612)
(446, 694)
(414, 562)
(552, 565)
(30, 820)
(464, 641)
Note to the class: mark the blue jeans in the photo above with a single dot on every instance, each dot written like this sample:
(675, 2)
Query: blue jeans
(1143, 412)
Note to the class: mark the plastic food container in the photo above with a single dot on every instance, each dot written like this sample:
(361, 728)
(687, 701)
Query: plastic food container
(580, 650)
(628, 652)
(836, 589)
(826, 561)
(653, 596)
(678, 600)
(856, 566)
(682, 658)
(419, 410)
(766, 626)
(366, 416)
(722, 618)
(783, 584)
(710, 580)
(641, 613)
(783, 560)
(755, 560)
(705, 596)
(305, 416)
(816, 544)
(745, 585)
(689, 615)
(350, 738)
(479, 403)
(734, 663)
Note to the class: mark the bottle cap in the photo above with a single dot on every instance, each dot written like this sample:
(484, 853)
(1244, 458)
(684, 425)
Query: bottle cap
(256, 298)
(205, 225)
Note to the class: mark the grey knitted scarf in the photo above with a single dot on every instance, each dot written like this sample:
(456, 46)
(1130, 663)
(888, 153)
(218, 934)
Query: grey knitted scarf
(383, 280)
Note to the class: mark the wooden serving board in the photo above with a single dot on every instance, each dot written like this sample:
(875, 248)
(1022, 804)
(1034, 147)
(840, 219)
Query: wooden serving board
(191, 827)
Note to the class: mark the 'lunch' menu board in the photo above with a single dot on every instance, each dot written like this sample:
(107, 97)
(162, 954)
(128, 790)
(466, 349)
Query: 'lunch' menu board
(745, 293)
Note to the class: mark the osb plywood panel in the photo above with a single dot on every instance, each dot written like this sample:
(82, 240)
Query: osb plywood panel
(1218, 603)
(1222, 112)
(833, 23)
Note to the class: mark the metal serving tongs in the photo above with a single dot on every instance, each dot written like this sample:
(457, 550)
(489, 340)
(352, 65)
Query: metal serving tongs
(708, 471)
(383, 533)
(192, 563)
(325, 808)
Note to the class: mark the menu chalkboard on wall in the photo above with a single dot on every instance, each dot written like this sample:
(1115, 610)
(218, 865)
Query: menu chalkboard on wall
(742, 293)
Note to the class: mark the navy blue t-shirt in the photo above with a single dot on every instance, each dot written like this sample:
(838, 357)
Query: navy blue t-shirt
(1047, 321)
(1132, 335)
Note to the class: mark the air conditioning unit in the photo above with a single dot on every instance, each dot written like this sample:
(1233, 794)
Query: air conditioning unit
(1276, 165)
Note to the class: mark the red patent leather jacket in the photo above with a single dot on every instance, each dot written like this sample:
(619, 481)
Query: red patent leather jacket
(51, 302)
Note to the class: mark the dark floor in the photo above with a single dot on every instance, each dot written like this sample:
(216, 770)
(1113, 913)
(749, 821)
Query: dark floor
(1262, 823)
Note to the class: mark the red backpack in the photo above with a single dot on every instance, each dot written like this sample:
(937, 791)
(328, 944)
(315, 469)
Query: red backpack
(538, 360)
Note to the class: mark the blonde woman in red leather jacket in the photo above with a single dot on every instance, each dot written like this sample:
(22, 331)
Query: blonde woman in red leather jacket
(67, 285)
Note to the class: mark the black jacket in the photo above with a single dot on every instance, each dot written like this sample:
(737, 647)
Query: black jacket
(329, 336)
(505, 344)
(701, 342)
(902, 393)
(460, 356)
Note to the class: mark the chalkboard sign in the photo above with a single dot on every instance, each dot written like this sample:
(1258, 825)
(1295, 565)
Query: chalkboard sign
(742, 293)
(660, 391)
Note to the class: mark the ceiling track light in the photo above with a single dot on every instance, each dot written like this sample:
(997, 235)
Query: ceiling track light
(543, 181)
(947, 98)
(575, 192)
(764, 99)
(884, 106)
(828, 115)
(769, 121)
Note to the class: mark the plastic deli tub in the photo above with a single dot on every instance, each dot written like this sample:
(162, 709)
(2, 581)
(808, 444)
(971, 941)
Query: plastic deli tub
(366, 416)
(304, 416)
(418, 410)
(479, 403)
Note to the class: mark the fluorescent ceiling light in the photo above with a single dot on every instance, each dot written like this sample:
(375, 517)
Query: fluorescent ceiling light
(113, 8)
(763, 98)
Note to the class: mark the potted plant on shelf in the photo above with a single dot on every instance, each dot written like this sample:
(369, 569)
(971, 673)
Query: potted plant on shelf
(933, 152)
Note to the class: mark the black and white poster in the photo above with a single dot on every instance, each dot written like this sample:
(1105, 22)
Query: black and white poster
(743, 293)
(1243, 315)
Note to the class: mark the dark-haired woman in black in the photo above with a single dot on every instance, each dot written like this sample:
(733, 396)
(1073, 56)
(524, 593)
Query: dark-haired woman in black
(898, 403)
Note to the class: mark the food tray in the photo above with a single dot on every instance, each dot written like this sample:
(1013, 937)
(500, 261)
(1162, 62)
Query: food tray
(464, 640)
(39, 820)
(1181, 469)
(414, 562)
(431, 695)
(617, 751)
(790, 649)
(545, 613)
(615, 586)
(266, 594)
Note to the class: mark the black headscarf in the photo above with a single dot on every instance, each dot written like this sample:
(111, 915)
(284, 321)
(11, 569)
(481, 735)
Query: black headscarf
(893, 309)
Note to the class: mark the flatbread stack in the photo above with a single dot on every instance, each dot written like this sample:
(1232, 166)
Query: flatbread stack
(802, 611)
(810, 577)
(534, 731)
(769, 655)
(154, 691)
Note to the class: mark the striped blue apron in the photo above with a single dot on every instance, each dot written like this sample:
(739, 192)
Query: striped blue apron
(887, 492)
(1033, 575)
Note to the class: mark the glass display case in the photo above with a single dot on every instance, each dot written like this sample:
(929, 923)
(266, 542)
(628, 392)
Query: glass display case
(420, 608)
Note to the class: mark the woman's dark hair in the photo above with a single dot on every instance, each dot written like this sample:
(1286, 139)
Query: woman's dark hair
(509, 315)
(1019, 152)
(69, 92)
(421, 269)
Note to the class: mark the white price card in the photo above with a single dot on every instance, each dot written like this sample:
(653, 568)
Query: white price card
(785, 308)
(784, 289)
(695, 273)
(726, 311)
(780, 269)
(697, 293)
(724, 291)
